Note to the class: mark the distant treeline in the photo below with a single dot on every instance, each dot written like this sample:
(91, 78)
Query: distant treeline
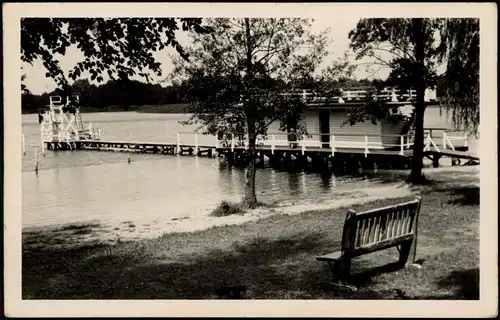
(134, 96)
(111, 96)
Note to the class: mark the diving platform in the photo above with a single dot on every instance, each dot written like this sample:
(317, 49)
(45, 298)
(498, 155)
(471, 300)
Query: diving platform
(61, 126)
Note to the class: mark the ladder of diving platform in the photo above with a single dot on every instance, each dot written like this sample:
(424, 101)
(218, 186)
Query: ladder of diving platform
(79, 121)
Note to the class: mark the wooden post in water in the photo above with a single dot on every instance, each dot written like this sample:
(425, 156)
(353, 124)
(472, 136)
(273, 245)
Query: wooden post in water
(272, 144)
(333, 145)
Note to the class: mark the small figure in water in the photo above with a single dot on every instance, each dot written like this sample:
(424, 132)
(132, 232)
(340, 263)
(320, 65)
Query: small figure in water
(292, 138)
(40, 117)
(128, 160)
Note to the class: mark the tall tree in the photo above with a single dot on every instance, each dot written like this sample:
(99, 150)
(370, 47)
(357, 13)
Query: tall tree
(408, 48)
(122, 47)
(459, 49)
(240, 76)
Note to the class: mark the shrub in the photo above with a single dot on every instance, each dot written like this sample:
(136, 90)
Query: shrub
(226, 208)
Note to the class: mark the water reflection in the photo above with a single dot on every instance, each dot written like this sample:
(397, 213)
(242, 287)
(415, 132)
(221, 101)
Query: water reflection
(294, 184)
(326, 180)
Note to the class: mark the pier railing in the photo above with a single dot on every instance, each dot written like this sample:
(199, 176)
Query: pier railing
(280, 140)
(437, 138)
(444, 138)
(357, 94)
(273, 141)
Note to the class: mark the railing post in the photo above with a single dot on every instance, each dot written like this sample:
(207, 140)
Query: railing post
(41, 139)
(178, 143)
(366, 146)
(232, 142)
(303, 145)
(333, 145)
(444, 139)
(247, 141)
(272, 143)
(196, 144)
(99, 133)
(466, 140)
(401, 138)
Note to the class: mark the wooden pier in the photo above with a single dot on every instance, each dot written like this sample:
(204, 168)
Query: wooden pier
(341, 152)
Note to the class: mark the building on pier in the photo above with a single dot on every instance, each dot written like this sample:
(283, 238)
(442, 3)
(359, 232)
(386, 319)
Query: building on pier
(325, 120)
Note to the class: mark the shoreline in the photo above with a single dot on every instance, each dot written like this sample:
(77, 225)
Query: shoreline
(392, 186)
(175, 108)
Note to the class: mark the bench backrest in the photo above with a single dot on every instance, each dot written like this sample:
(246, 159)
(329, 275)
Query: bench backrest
(379, 228)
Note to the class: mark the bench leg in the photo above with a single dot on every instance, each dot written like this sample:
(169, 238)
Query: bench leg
(341, 270)
(335, 267)
(404, 252)
(345, 270)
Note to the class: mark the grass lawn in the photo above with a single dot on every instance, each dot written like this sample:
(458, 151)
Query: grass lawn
(273, 258)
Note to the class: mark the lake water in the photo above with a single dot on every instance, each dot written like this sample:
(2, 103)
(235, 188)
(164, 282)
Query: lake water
(81, 186)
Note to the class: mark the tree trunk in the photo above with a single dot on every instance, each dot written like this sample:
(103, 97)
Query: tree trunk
(418, 148)
(250, 199)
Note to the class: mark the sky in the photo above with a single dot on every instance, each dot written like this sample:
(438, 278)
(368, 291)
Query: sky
(37, 83)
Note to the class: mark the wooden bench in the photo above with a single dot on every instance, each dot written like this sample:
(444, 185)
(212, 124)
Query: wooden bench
(374, 230)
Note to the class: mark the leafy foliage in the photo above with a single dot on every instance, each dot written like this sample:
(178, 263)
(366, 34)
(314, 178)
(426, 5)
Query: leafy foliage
(415, 51)
(412, 59)
(122, 47)
(225, 208)
(390, 43)
(24, 89)
(233, 79)
(241, 75)
(460, 50)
